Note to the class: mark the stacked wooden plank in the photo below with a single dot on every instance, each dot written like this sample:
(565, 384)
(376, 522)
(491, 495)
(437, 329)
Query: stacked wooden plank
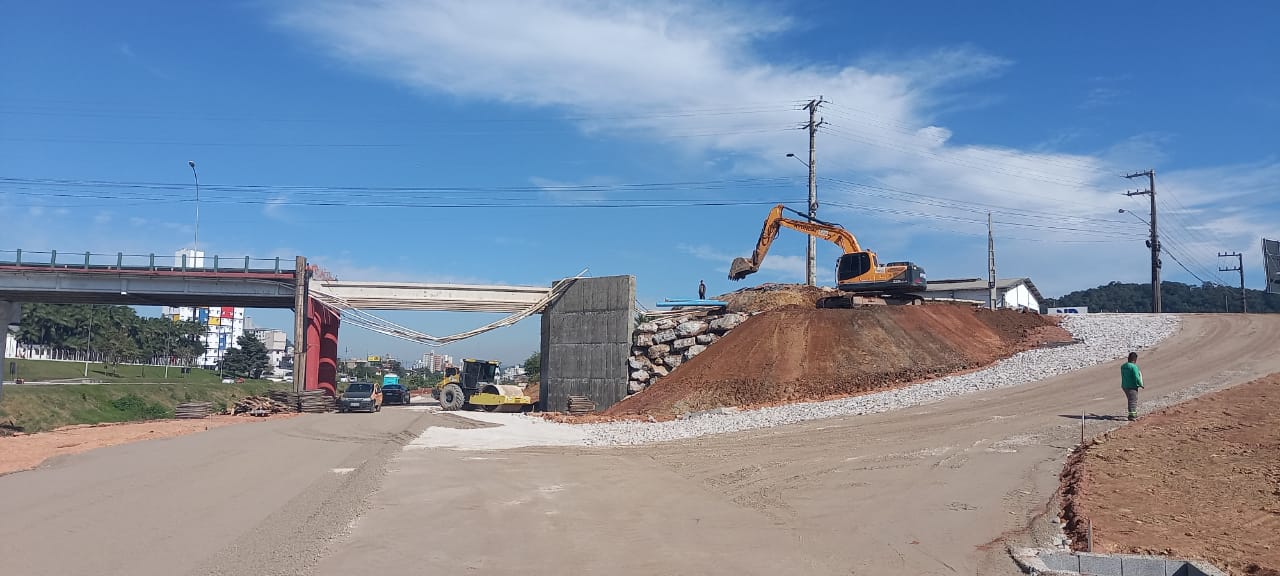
(259, 406)
(316, 401)
(192, 410)
(287, 397)
(581, 405)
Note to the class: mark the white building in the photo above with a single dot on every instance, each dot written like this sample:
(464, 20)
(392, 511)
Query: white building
(223, 327)
(511, 372)
(435, 362)
(277, 343)
(1010, 292)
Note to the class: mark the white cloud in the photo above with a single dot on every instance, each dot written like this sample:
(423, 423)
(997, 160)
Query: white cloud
(777, 266)
(688, 73)
(273, 208)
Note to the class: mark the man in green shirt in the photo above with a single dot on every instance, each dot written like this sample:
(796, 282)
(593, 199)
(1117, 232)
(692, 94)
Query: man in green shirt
(1130, 382)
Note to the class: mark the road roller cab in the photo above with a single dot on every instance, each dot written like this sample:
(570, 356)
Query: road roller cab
(475, 385)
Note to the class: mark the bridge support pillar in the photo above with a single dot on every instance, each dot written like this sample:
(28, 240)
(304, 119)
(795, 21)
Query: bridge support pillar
(322, 347)
(586, 338)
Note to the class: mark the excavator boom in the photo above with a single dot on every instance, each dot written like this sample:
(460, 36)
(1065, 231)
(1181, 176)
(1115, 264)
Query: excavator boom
(858, 271)
(834, 233)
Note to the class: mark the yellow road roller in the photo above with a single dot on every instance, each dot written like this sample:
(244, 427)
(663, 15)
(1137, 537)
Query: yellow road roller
(474, 385)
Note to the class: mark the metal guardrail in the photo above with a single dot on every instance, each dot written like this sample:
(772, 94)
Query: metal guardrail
(54, 259)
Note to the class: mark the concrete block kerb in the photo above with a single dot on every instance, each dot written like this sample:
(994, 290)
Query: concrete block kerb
(1053, 562)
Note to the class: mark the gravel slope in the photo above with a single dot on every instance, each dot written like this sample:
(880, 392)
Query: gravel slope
(1103, 337)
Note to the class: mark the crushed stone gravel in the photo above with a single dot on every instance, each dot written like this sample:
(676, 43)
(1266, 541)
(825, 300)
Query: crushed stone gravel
(1101, 338)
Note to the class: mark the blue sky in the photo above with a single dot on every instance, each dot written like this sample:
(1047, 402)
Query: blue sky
(638, 138)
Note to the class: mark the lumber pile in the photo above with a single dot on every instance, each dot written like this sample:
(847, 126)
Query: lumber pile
(259, 406)
(316, 401)
(192, 410)
(287, 397)
(581, 405)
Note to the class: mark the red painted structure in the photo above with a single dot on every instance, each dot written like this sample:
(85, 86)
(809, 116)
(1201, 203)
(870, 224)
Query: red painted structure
(322, 347)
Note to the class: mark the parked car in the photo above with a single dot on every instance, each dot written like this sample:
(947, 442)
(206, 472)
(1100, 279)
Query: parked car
(395, 394)
(361, 397)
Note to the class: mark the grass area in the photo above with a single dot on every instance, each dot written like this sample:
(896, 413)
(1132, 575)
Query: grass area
(40, 408)
(52, 370)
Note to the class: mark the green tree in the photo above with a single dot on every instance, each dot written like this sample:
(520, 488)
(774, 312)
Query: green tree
(67, 327)
(117, 347)
(1175, 297)
(249, 360)
(533, 366)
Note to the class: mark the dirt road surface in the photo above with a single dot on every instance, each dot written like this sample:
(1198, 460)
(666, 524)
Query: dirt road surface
(935, 489)
(929, 490)
(29, 450)
(265, 498)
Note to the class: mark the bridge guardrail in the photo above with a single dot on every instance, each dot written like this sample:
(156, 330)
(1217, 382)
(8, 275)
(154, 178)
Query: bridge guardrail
(55, 259)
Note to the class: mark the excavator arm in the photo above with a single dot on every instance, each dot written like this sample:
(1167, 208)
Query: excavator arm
(834, 233)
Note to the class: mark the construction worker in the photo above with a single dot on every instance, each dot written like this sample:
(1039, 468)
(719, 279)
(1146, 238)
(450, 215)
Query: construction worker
(1130, 382)
(702, 290)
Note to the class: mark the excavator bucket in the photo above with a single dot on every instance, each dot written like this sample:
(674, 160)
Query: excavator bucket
(741, 268)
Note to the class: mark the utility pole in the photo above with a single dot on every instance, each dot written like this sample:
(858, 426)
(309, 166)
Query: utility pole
(811, 275)
(1154, 241)
(1244, 304)
(991, 265)
(300, 295)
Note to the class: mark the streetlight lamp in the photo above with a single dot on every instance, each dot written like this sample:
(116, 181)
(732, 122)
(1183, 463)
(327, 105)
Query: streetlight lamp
(195, 244)
(1140, 219)
(790, 155)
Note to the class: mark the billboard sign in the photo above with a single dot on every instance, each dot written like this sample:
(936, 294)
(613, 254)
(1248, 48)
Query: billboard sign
(1069, 310)
(1271, 263)
(375, 359)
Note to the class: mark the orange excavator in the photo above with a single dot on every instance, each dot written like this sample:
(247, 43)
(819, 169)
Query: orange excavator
(858, 272)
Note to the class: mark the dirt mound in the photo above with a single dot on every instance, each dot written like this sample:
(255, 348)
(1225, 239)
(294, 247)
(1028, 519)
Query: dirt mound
(1196, 480)
(772, 296)
(798, 353)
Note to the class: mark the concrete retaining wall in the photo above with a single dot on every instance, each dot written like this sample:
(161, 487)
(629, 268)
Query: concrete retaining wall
(586, 339)
(1060, 563)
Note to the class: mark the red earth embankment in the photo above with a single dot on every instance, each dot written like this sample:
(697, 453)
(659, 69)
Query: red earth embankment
(1197, 480)
(798, 353)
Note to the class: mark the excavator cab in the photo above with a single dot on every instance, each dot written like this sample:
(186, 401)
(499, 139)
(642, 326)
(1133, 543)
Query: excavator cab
(853, 265)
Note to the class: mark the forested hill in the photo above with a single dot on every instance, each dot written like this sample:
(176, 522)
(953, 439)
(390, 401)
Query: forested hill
(1174, 297)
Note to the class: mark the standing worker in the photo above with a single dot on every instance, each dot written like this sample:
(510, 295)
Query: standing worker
(1130, 382)
(702, 290)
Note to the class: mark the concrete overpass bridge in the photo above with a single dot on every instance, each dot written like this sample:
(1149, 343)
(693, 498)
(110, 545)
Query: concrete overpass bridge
(586, 322)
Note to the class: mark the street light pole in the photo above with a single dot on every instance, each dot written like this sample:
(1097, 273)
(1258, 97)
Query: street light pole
(88, 346)
(195, 244)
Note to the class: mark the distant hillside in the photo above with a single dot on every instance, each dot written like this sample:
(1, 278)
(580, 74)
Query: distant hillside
(1174, 297)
